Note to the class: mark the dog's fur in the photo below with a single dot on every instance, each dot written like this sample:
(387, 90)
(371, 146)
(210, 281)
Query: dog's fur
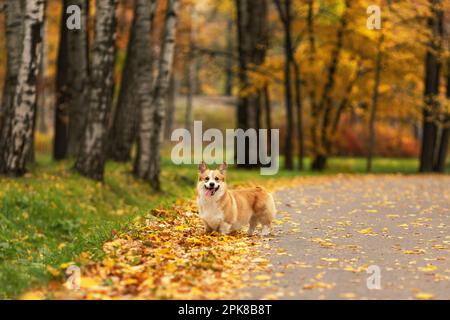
(224, 210)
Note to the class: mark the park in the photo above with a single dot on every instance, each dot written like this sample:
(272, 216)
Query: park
(340, 109)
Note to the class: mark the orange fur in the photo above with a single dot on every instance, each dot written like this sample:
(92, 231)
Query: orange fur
(228, 210)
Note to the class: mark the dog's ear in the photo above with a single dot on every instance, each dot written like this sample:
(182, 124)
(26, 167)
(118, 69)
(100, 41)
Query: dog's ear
(202, 167)
(223, 168)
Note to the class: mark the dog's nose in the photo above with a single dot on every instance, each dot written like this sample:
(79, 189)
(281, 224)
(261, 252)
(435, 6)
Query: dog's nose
(211, 184)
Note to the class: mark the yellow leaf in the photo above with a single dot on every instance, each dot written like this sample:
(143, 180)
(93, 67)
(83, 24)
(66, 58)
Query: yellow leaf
(428, 268)
(262, 277)
(366, 231)
(424, 296)
(348, 295)
(87, 282)
(329, 259)
(33, 295)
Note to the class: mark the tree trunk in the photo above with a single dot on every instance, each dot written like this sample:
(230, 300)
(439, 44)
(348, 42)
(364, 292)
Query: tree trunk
(373, 110)
(252, 35)
(61, 119)
(432, 77)
(228, 88)
(285, 17)
(144, 84)
(268, 115)
(41, 109)
(78, 73)
(314, 112)
(298, 103)
(71, 83)
(189, 76)
(326, 104)
(91, 159)
(443, 147)
(190, 73)
(14, 42)
(242, 106)
(170, 107)
(441, 156)
(147, 165)
(18, 139)
(124, 128)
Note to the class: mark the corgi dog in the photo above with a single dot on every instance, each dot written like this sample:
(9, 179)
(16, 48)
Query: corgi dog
(225, 210)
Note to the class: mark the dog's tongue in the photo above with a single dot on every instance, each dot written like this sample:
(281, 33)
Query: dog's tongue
(209, 192)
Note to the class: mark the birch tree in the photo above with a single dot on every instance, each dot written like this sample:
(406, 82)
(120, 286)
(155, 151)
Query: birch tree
(147, 165)
(14, 33)
(91, 159)
(124, 127)
(19, 121)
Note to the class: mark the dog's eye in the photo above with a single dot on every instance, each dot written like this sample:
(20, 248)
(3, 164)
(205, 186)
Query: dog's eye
(217, 179)
(207, 178)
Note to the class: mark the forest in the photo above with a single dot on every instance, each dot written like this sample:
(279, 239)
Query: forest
(91, 92)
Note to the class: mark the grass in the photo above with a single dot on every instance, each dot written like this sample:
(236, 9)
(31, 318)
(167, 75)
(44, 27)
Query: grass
(52, 215)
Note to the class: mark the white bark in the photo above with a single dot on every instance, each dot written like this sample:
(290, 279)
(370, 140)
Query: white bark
(91, 160)
(24, 102)
(152, 117)
(14, 34)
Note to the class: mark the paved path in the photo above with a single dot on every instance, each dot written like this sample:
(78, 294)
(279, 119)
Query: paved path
(331, 230)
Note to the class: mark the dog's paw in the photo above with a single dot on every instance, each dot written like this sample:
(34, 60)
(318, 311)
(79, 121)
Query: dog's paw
(265, 231)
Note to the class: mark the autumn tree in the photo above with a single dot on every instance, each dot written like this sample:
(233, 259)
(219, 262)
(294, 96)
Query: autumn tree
(252, 38)
(91, 159)
(432, 81)
(124, 126)
(14, 34)
(27, 19)
(71, 79)
(285, 12)
(147, 164)
(374, 105)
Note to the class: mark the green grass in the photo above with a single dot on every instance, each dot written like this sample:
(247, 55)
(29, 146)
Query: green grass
(52, 214)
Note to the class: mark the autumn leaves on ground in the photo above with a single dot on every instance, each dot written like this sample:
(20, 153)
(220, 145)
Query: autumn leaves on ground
(93, 91)
(322, 243)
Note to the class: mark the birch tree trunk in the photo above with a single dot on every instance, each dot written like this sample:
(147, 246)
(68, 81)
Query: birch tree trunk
(91, 159)
(18, 139)
(144, 82)
(14, 34)
(147, 164)
(124, 127)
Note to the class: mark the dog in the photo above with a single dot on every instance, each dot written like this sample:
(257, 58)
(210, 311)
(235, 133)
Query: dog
(224, 210)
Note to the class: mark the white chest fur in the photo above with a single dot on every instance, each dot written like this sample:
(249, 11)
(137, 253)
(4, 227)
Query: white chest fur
(210, 212)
